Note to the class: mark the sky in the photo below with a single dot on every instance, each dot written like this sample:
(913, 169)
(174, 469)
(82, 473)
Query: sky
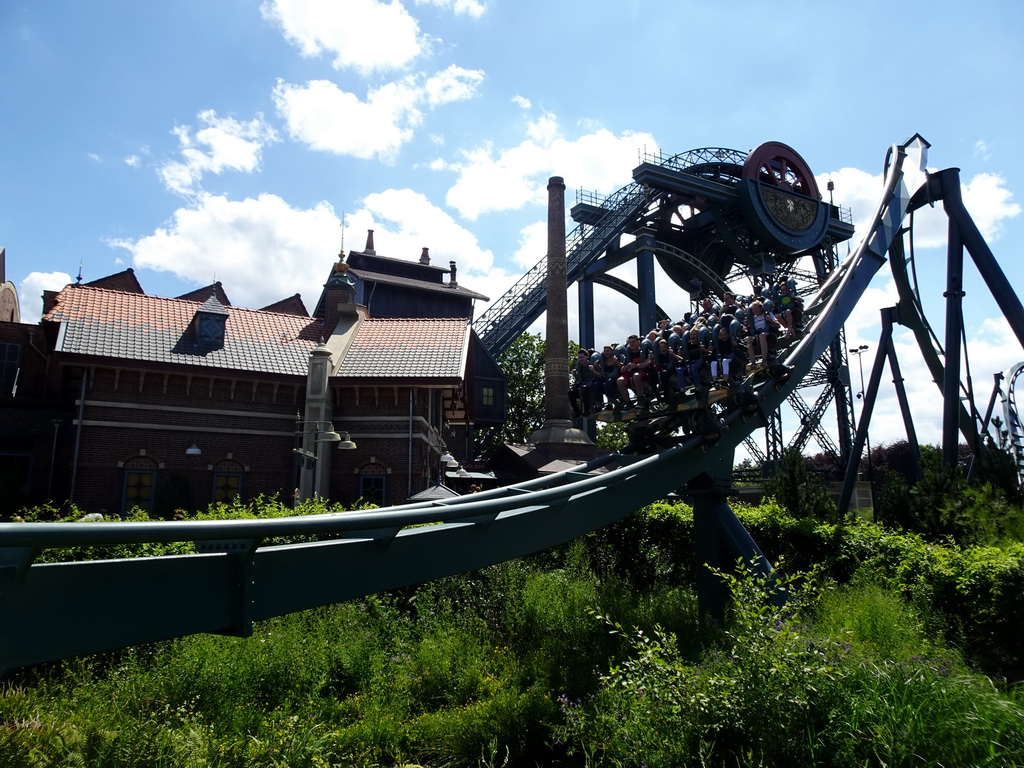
(248, 141)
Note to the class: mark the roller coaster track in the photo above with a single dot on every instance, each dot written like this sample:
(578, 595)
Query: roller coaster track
(1012, 422)
(50, 611)
(523, 303)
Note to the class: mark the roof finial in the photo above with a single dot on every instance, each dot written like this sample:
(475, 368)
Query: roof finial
(79, 279)
(425, 256)
(369, 243)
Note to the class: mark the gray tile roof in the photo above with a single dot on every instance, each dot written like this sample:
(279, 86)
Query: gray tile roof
(105, 323)
(408, 348)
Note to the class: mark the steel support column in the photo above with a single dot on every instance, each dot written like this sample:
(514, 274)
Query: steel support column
(586, 313)
(954, 325)
(647, 305)
(885, 351)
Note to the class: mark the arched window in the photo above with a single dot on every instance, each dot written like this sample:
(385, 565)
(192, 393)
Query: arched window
(373, 484)
(139, 484)
(227, 481)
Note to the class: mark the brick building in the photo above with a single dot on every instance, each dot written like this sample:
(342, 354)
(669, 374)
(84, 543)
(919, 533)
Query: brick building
(119, 398)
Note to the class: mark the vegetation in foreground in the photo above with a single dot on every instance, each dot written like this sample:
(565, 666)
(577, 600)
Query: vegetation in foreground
(593, 654)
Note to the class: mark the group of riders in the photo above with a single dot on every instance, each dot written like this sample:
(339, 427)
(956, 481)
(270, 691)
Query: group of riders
(707, 348)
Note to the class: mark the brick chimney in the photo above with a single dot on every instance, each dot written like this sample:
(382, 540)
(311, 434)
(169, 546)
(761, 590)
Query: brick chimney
(558, 436)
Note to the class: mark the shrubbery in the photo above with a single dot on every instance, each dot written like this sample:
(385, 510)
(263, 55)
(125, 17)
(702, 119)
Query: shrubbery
(589, 654)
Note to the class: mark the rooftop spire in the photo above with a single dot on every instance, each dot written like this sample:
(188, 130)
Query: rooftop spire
(425, 256)
(369, 243)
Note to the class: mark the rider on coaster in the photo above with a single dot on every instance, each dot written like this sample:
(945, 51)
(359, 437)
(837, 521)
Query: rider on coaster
(726, 357)
(583, 393)
(665, 361)
(694, 352)
(760, 326)
(634, 371)
(608, 367)
(789, 307)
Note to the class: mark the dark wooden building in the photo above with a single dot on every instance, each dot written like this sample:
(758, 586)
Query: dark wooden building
(118, 398)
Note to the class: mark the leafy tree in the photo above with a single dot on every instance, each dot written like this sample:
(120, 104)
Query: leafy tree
(797, 489)
(523, 365)
(945, 505)
(612, 436)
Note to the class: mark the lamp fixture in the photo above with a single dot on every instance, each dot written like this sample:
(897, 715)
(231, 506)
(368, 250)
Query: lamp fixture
(193, 450)
(328, 435)
(346, 443)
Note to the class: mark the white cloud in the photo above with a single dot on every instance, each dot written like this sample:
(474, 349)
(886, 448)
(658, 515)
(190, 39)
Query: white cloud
(533, 245)
(989, 203)
(224, 144)
(365, 35)
(473, 8)
(133, 161)
(986, 197)
(242, 242)
(522, 102)
(543, 130)
(30, 292)
(452, 84)
(501, 180)
(409, 222)
(405, 222)
(329, 119)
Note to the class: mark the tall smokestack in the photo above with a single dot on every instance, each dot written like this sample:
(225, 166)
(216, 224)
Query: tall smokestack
(558, 429)
(556, 380)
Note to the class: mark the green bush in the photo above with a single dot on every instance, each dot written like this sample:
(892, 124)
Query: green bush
(509, 666)
(785, 688)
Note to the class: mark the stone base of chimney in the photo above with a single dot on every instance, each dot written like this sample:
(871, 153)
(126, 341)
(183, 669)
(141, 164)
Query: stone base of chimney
(561, 439)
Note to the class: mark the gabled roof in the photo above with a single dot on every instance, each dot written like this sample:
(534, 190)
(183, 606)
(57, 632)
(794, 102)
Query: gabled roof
(367, 261)
(293, 305)
(437, 492)
(419, 285)
(390, 348)
(97, 322)
(119, 281)
(202, 294)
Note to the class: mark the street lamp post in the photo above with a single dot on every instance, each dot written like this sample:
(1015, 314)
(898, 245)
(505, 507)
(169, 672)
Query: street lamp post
(323, 432)
(859, 352)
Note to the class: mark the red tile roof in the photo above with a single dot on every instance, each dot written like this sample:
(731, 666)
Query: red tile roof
(408, 348)
(99, 322)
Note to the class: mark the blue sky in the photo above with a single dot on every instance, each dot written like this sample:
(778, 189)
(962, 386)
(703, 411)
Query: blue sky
(199, 141)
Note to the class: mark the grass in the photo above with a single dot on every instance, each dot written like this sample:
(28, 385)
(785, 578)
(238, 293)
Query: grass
(559, 660)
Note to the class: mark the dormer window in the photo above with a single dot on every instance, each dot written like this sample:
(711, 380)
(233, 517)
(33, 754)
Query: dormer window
(209, 323)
